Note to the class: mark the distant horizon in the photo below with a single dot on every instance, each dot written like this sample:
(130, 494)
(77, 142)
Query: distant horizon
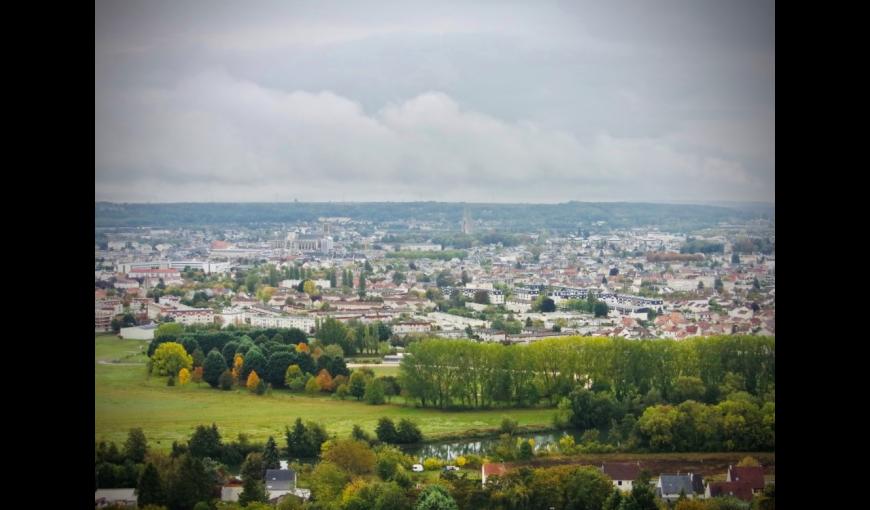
(656, 202)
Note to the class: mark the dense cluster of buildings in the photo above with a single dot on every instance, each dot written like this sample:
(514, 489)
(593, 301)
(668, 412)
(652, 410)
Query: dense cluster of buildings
(650, 289)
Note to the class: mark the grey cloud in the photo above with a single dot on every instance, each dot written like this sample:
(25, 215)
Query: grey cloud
(549, 102)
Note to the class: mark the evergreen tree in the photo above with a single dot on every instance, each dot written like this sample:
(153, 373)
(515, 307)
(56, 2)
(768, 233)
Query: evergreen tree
(253, 490)
(270, 454)
(136, 446)
(386, 431)
(614, 501)
(362, 285)
(149, 489)
(253, 467)
(641, 496)
(189, 483)
(213, 367)
(206, 442)
(435, 497)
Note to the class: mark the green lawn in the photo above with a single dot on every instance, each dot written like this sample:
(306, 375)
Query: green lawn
(125, 397)
(385, 370)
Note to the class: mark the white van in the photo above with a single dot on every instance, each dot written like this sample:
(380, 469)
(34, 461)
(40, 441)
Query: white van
(417, 468)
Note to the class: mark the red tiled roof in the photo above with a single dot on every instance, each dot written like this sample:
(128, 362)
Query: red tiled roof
(494, 469)
(621, 470)
(753, 475)
(740, 490)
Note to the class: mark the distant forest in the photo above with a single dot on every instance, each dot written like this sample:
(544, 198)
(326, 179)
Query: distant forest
(566, 217)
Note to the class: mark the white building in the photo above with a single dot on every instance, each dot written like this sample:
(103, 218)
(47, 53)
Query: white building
(420, 247)
(149, 272)
(404, 328)
(232, 316)
(304, 322)
(517, 306)
(192, 316)
(145, 332)
(491, 335)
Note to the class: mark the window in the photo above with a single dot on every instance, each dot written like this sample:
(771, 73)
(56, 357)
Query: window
(619, 482)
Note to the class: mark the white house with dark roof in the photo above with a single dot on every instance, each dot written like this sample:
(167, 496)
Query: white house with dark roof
(623, 474)
(122, 497)
(280, 479)
(670, 487)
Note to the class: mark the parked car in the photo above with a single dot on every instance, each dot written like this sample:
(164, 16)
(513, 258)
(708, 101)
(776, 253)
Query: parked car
(451, 468)
(417, 468)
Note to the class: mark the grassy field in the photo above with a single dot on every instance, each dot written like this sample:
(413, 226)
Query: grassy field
(125, 397)
(384, 370)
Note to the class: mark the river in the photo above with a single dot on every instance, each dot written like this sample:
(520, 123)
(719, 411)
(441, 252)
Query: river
(449, 450)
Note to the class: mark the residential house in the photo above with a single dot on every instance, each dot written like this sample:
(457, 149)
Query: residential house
(670, 487)
(115, 497)
(231, 491)
(739, 490)
(622, 473)
(280, 479)
(752, 475)
(103, 320)
(488, 470)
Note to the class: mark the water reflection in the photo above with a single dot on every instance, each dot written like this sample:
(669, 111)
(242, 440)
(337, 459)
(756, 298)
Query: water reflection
(449, 450)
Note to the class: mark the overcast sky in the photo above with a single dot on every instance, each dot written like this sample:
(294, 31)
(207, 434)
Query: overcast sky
(399, 101)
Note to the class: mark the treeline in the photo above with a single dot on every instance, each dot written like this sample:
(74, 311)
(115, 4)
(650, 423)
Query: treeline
(351, 474)
(754, 245)
(208, 340)
(740, 423)
(701, 246)
(438, 255)
(279, 360)
(511, 217)
(672, 257)
(456, 373)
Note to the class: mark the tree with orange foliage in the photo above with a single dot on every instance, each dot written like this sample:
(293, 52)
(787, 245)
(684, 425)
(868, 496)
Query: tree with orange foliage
(324, 380)
(184, 376)
(238, 362)
(253, 380)
(197, 375)
(302, 347)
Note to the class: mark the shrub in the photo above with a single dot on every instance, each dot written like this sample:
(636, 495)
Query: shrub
(226, 380)
(432, 464)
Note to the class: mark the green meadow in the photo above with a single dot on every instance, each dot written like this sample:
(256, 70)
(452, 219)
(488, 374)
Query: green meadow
(125, 397)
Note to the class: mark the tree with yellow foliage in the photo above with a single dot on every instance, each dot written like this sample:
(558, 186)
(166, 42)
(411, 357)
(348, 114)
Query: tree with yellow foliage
(169, 358)
(183, 376)
(265, 293)
(309, 288)
(238, 363)
(253, 381)
(748, 461)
